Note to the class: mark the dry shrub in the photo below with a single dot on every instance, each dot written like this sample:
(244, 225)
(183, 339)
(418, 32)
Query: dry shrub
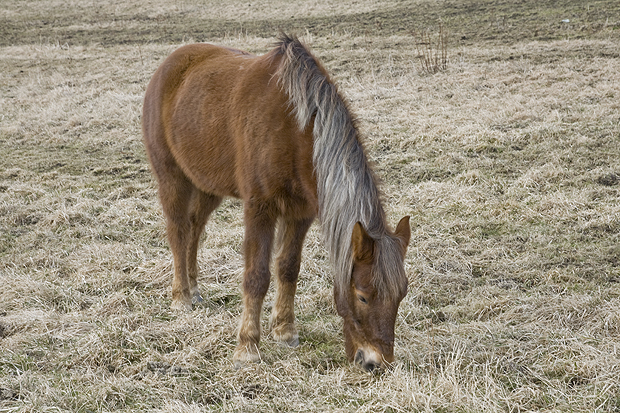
(432, 49)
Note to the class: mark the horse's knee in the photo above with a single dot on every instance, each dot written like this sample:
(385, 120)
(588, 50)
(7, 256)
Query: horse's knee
(288, 277)
(256, 284)
(288, 268)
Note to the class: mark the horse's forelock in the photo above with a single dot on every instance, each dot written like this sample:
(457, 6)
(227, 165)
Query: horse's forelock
(388, 272)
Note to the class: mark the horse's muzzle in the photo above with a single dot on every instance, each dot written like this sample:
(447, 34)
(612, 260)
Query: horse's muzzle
(370, 360)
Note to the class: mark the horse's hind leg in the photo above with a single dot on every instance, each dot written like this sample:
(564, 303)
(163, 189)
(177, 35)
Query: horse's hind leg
(290, 242)
(259, 229)
(186, 210)
(200, 207)
(175, 192)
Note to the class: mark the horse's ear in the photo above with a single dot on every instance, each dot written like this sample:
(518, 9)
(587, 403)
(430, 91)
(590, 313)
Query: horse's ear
(362, 243)
(403, 231)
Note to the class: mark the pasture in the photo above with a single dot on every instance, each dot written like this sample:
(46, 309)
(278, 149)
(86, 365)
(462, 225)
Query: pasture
(508, 162)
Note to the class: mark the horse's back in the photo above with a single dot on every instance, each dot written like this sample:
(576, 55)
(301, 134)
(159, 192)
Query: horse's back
(220, 114)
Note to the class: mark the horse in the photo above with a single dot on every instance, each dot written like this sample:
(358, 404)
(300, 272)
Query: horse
(274, 131)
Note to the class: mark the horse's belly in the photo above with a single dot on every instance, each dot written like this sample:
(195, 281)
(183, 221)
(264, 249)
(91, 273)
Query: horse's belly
(211, 168)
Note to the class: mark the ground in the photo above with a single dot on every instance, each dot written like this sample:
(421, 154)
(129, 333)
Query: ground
(508, 162)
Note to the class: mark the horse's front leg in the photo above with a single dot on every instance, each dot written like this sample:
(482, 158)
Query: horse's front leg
(259, 229)
(291, 237)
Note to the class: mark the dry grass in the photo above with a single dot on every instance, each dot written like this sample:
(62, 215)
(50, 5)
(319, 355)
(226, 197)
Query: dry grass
(508, 161)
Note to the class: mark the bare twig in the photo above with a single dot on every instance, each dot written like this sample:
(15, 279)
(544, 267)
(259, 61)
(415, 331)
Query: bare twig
(432, 50)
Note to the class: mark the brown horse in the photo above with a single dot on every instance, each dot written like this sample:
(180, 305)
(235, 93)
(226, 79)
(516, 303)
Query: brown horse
(274, 131)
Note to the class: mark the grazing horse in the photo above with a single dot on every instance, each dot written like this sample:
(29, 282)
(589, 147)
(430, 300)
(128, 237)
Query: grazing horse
(274, 131)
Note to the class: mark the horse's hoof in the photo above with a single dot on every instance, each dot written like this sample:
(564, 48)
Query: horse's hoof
(290, 340)
(242, 364)
(197, 298)
(245, 356)
(181, 306)
(286, 334)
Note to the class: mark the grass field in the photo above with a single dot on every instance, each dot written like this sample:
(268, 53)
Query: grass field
(508, 162)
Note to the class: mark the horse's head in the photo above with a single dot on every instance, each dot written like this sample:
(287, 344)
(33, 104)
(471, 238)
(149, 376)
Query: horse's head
(369, 303)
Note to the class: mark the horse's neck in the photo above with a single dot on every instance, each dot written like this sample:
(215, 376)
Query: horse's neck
(348, 189)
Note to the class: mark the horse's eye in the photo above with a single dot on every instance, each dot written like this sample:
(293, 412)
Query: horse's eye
(362, 299)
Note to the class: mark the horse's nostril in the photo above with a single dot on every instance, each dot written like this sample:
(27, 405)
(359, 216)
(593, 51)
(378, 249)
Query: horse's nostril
(359, 357)
(370, 367)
